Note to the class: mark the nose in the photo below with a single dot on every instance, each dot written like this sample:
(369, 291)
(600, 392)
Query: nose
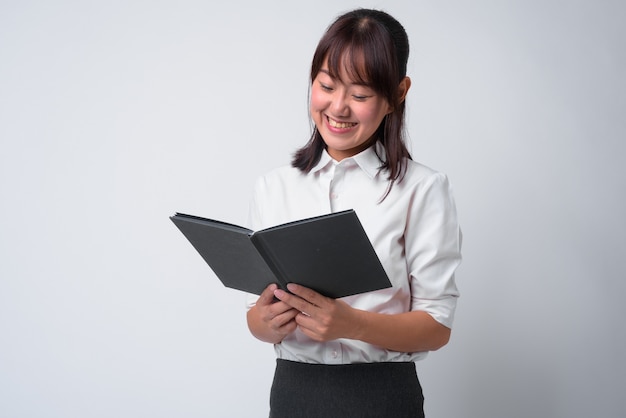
(339, 105)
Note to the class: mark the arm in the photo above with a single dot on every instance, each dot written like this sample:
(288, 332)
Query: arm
(325, 319)
(269, 320)
(407, 332)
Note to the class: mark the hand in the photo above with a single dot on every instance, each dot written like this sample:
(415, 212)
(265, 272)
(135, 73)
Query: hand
(270, 320)
(320, 318)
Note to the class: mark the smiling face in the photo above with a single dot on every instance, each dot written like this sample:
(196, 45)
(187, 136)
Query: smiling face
(346, 113)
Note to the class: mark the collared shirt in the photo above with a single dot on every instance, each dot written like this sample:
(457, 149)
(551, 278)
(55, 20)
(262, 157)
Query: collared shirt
(414, 230)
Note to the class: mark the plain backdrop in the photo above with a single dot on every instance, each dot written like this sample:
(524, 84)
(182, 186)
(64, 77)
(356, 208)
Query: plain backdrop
(116, 114)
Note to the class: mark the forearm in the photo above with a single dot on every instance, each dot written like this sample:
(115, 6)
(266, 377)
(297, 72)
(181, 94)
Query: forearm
(325, 319)
(407, 332)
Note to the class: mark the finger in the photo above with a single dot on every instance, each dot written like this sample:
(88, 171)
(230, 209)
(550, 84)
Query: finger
(267, 296)
(307, 325)
(279, 308)
(285, 317)
(293, 301)
(307, 294)
(284, 323)
(288, 327)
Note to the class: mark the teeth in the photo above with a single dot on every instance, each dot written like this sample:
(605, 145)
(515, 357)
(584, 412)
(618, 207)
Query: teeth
(340, 125)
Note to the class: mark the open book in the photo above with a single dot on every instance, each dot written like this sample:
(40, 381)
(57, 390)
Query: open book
(330, 254)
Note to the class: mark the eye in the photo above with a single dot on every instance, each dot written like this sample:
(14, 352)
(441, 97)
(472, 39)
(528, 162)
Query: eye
(325, 87)
(362, 93)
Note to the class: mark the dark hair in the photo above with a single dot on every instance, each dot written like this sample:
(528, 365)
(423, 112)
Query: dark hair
(374, 48)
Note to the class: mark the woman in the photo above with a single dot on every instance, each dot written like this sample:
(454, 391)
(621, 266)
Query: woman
(355, 356)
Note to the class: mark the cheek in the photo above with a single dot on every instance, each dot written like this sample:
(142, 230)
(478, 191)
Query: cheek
(317, 101)
(369, 116)
(373, 114)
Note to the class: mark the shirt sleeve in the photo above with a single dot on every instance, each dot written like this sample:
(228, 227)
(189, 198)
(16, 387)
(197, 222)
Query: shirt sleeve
(433, 241)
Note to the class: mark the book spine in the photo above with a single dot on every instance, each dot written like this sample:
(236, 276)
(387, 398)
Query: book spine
(270, 259)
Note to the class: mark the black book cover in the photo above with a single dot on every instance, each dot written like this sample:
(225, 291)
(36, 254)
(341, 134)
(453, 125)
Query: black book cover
(330, 254)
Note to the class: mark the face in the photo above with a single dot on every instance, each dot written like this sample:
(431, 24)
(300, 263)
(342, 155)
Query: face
(346, 114)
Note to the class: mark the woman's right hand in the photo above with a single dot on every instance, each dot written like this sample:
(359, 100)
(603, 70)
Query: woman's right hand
(271, 320)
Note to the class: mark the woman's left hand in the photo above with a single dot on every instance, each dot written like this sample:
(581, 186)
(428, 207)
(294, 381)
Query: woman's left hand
(320, 318)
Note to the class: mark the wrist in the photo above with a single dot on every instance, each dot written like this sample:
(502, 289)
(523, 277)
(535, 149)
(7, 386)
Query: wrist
(360, 325)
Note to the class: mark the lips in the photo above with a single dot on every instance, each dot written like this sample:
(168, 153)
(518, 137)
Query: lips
(340, 125)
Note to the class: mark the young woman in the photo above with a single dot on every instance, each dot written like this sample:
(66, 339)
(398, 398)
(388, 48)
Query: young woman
(355, 356)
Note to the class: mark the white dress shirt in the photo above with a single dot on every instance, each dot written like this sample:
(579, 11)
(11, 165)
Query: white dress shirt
(414, 231)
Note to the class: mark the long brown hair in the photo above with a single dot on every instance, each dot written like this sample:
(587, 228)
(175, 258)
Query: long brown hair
(374, 48)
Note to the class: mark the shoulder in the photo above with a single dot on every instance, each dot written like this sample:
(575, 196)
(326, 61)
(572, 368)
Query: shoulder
(280, 175)
(420, 175)
(285, 171)
(280, 183)
(423, 185)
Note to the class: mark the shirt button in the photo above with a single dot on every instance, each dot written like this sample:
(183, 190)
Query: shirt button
(334, 195)
(334, 354)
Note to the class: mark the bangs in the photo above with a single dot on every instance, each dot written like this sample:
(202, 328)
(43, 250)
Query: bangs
(350, 60)
(365, 51)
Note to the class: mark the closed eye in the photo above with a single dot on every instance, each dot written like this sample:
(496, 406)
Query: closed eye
(326, 87)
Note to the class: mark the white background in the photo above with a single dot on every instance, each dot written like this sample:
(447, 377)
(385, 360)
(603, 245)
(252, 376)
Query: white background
(116, 114)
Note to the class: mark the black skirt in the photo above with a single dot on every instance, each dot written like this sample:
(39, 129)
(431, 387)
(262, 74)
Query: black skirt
(302, 390)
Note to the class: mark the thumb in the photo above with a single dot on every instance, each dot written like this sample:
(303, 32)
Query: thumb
(267, 297)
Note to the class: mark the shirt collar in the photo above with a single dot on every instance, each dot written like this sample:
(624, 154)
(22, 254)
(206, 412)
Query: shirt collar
(368, 160)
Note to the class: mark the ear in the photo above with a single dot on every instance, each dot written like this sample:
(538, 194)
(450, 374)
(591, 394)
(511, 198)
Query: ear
(403, 89)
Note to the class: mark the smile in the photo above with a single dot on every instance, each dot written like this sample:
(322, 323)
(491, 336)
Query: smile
(340, 125)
